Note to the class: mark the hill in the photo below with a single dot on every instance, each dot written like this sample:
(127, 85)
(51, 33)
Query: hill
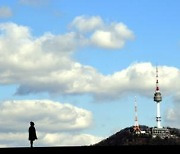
(128, 137)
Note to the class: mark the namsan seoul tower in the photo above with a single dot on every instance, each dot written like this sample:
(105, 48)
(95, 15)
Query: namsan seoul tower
(158, 99)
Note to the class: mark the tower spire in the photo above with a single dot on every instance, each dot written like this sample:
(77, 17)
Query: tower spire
(157, 81)
(158, 99)
(136, 125)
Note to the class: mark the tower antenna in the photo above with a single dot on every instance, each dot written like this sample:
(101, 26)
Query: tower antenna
(136, 124)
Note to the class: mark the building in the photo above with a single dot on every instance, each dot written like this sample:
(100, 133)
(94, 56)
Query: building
(160, 132)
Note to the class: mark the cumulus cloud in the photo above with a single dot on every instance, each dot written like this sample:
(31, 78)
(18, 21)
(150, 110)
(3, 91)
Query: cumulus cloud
(87, 24)
(50, 116)
(45, 64)
(5, 12)
(112, 37)
(56, 123)
(104, 35)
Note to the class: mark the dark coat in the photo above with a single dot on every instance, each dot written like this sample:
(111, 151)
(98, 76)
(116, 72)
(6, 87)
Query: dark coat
(32, 133)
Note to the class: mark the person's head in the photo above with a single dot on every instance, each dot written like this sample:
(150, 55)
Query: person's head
(32, 123)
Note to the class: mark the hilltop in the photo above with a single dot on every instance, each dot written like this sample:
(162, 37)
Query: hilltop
(128, 137)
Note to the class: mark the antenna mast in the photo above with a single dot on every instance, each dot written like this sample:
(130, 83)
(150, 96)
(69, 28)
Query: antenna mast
(136, 125)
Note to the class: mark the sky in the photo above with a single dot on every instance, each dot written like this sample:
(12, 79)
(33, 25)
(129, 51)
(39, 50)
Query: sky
(74, 67)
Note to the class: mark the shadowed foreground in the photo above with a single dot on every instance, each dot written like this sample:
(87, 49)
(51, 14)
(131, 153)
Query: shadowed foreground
(93, 149)
(40, 150)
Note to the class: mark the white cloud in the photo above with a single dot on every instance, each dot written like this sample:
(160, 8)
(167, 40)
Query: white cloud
(104, 39)
(109, 36)
(10, 139)
(20, 139)
(138, 78)
(112, 37)
(87, 24)
(56, 123)
(5, 12)
(50, 116)
(45, 64)
(42, 63)
(70, 140)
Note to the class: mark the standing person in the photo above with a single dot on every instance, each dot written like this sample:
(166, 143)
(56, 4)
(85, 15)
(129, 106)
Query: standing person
(32, 133)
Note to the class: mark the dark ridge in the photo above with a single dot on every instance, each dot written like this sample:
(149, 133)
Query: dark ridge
(126, 136)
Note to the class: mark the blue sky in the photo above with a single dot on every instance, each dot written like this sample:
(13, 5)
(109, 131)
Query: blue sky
(95, 56)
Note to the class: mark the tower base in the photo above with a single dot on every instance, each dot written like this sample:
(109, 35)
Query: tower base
(136, 129)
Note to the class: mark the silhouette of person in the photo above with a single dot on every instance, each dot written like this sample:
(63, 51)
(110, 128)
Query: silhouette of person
(32, 133)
